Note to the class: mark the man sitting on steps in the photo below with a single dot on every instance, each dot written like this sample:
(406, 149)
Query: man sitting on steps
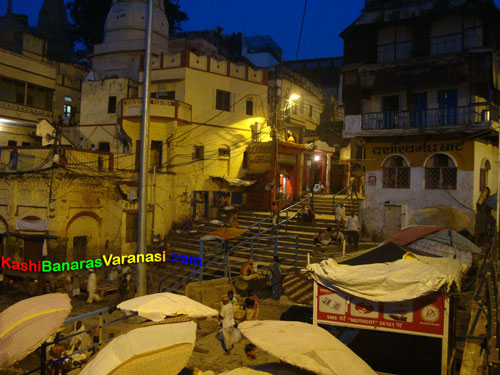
(247, 271)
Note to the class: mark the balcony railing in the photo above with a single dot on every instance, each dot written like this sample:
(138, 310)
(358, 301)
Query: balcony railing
(169, 109)
(431, 118)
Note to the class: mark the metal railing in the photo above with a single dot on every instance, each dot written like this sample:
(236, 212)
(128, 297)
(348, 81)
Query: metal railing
(43, 368)
(431, 117)
(221, 250)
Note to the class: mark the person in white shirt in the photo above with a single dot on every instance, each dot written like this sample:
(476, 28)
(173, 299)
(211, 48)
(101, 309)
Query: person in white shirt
(227, 315)
(92, 287)
(353, 231)
(340, 216)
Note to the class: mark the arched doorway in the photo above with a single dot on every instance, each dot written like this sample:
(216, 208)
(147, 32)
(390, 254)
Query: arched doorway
(83, 234)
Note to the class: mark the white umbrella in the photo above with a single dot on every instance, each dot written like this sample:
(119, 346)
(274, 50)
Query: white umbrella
(306, 346)
(157, 306)
(244, 371)
(25, 325)
(162, 349)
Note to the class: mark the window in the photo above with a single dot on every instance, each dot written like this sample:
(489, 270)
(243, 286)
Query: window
(223, 100)
(104, 146)
(67, 111)
(169, 95)
(483, 175)
(198, 152)
(294, 108)
(440, 173)
(249, 107)
(395, 173)
(156, 154)
(394, 43)
(131, 227)
(11, 143)
(224, 152)
(112, 104)
(310, 110)
(39, 97)
(11, 91)
(245, 160)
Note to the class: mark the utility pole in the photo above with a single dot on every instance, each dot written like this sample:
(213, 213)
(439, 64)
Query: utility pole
(276, 182)
(143, 175)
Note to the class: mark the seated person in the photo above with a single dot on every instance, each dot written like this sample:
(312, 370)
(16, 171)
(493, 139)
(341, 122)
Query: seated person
(309, 215)
(223, 201)
(247, 271)
(319, 239)
(319, 187)
(233, 221)
(252, 306)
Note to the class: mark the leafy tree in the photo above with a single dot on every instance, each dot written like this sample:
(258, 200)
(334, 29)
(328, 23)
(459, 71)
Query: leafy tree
(89, 16)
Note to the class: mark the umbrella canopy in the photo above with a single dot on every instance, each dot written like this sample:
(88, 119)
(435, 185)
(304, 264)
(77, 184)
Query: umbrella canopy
(244, 371)
(157, 306)
(227, 233)
(162, 349)
(25, 325)
(306, 346)
(299, 288)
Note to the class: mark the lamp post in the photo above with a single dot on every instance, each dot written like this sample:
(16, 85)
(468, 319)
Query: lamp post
(282, 105)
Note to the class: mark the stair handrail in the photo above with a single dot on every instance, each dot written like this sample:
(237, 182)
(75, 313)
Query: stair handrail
(343, 199)
(199, 272)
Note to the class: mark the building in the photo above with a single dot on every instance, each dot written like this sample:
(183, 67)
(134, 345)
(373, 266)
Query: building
(203, 107)
(420, 89)
(296, 105)
(32, 86)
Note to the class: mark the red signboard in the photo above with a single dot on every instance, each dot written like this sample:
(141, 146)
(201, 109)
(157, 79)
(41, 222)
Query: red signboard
(422, 316)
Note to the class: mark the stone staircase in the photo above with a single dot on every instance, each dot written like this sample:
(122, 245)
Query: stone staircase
(189, 244)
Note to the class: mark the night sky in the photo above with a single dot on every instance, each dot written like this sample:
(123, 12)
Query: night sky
(281, 19)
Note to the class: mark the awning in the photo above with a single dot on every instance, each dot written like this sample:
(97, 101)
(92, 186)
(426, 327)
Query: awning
(30, 236)
(234, 181)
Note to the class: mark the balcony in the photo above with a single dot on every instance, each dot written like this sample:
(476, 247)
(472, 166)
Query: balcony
(159, 108)
(479, 114)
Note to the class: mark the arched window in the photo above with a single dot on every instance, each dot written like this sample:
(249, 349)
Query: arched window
(395, 173)
(440, 173)
(483, 174)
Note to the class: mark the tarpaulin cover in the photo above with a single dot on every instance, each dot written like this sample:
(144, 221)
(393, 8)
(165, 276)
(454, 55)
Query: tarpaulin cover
(306, 346)
(411, 234)
(29, 323)
(444, 216)
(32, 226)
(162, 349)
(235, 181)
(228, 233)
(157, 306)
(400, 280)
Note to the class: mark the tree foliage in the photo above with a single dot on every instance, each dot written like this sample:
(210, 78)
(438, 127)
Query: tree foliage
(89, 16)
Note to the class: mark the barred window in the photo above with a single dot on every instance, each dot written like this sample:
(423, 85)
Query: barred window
(395, 173)
(440, 173)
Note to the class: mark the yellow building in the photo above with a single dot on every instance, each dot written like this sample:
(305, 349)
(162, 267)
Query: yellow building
(32, 87)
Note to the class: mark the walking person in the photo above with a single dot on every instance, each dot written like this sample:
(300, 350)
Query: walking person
(362, 185)
(92, 287)
(276, 278)
(274, 211)
(353, 231)
(227, 315)
(353, 182)
(340, 216)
